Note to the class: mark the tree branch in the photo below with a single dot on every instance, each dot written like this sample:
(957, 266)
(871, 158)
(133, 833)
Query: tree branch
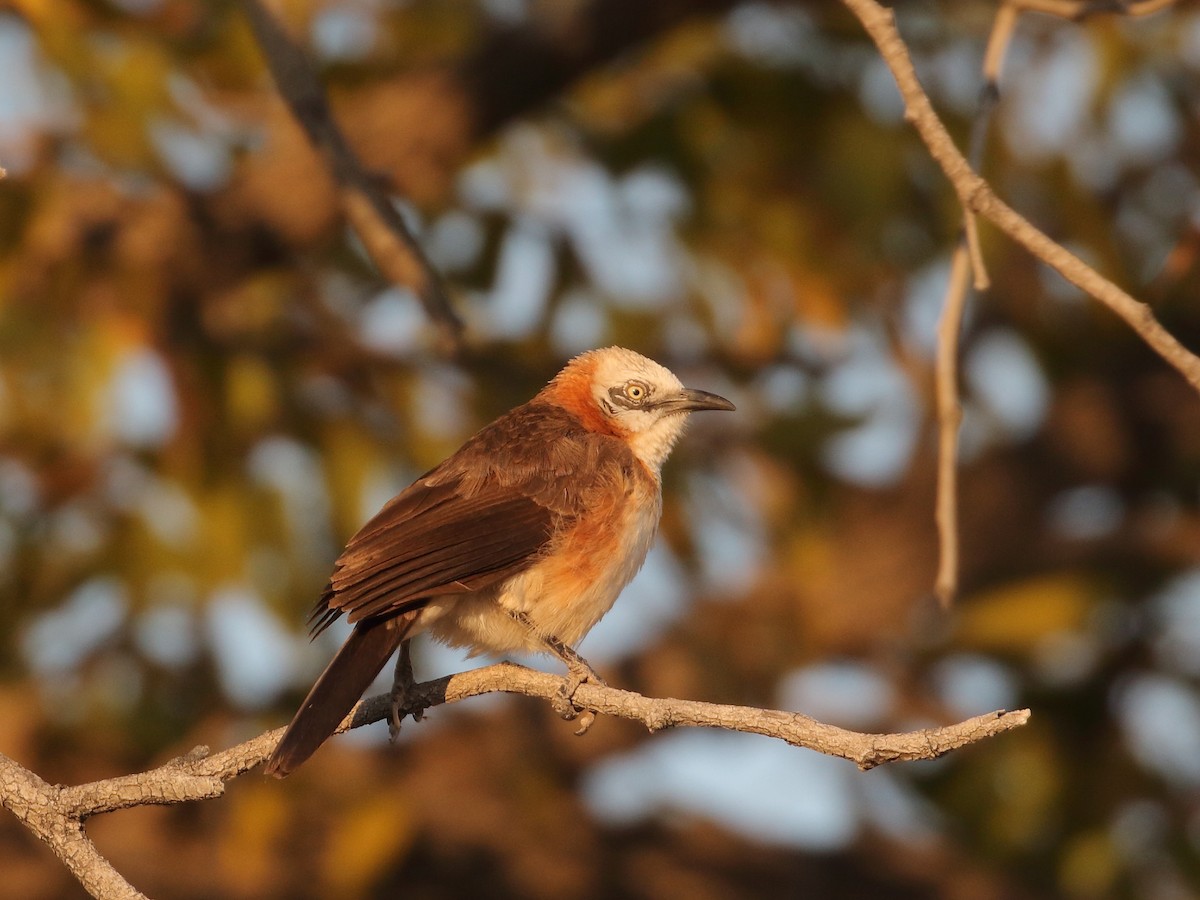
(1081, 9)
(516, 69)
(38, 805)
(967, 259)
(385, 235)
(977, 196)
(864, 750)
(56, 814)
(949, 417)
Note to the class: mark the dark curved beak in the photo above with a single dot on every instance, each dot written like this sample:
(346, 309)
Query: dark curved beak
(690, 400)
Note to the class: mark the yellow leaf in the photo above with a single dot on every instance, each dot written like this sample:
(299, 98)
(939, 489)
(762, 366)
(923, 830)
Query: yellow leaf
(248, 851)
(351, 459)
(251, 394)
(1016, 617)
(1028, 786)
(1089, 866)
(224, 538)
(361, 845)
(132, 76)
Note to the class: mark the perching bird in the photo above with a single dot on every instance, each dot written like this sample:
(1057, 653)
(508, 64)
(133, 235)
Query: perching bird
(520, 541)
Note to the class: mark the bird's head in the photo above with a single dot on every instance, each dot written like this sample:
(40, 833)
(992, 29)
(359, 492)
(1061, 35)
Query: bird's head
(616, 391)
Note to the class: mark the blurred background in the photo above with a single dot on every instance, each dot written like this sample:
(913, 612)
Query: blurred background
(205, 388)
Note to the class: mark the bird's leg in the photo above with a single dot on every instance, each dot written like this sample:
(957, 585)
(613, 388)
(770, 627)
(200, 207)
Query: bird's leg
(402, 692)
(578, 672)
(578, 667)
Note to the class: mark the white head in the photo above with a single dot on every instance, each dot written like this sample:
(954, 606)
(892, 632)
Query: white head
(619, 392)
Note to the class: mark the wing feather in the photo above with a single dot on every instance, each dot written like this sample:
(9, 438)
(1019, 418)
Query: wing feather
(458, 565)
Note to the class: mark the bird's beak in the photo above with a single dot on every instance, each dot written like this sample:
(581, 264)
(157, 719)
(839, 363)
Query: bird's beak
(690, 400)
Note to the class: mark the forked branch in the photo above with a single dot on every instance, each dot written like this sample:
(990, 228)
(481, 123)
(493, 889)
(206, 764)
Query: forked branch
(977, 196)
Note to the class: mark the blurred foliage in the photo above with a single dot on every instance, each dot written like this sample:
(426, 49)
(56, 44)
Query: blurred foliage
(205, 388)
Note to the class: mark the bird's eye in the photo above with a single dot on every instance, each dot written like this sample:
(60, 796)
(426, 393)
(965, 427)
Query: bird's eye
(635, 392)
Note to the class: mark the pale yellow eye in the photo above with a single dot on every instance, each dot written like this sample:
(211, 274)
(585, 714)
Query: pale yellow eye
(635, 392)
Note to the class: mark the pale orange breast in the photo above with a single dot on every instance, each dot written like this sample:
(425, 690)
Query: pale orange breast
(595, 560)
(577, 582)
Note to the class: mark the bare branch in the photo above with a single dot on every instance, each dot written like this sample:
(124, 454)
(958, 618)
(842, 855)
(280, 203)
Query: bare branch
(864, 750)
(385, 235)
(980, 281)
(949, 416)
(1081, 9)
(967, 259)
(56, 814)
(518, 68)
(976, 195)
(1003, 29)
(38, 805)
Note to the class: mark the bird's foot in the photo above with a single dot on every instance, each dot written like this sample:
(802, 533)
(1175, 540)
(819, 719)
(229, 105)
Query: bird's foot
(403, 695)
(578, 672)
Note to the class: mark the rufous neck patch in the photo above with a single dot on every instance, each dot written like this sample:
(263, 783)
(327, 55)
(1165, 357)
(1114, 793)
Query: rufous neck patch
(572, 390)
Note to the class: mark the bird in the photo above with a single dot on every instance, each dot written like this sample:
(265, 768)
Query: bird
(520, 541)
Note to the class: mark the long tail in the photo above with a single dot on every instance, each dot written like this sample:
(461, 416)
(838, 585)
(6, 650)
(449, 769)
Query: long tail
(337, 690)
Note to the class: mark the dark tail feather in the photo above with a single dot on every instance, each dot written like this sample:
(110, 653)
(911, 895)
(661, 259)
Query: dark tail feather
(336, 691)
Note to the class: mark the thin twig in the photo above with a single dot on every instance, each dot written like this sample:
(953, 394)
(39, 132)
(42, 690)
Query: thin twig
(1003, 28)
(1081, 9)
(949, 417)
(967, 260)
(981, 281)
(385, 235)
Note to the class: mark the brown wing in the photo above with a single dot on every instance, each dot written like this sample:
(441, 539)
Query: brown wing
(480, 517)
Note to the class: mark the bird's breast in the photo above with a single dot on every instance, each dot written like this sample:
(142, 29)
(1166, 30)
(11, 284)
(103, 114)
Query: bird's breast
(577, 580)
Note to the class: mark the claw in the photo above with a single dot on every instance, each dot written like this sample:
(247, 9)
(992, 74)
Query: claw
(561, 702)
(578, 672)
(402, 694)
